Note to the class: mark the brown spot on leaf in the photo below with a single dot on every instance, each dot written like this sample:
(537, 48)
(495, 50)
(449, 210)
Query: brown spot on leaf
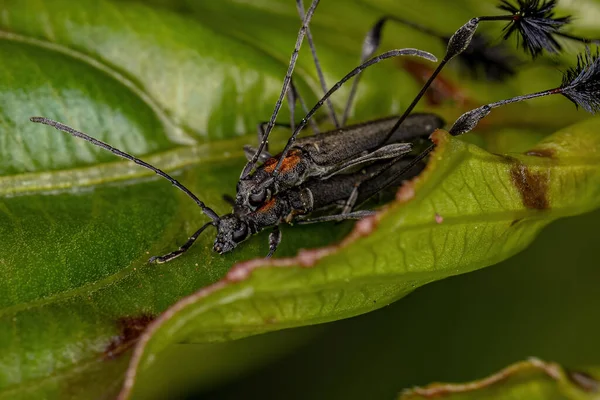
(585, 381)
(130, 328)
(533, 186)
(547, 153)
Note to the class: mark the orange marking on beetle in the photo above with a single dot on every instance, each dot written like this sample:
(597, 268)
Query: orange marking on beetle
(270, 164)
(289, 162)
(267, 206)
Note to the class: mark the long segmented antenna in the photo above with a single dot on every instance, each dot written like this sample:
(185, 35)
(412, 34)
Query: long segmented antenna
(494, 60)
(334, 88)
(67, 129)
(369, 47)
(313, 124)
(581, 85)
(313, 50)
(292, 97)
(456, 45)
(286, 82)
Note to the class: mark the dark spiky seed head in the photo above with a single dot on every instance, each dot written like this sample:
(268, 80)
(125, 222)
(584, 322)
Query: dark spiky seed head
(536, 25)
(581, 84)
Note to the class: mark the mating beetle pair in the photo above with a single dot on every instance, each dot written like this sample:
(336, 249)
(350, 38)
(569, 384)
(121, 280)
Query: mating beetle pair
(324, 171)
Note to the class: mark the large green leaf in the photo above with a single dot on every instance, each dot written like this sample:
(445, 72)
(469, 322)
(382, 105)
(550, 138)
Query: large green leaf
(77, 226)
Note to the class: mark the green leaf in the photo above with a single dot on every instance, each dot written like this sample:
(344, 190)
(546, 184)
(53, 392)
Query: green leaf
(77, 226)
(532, 379)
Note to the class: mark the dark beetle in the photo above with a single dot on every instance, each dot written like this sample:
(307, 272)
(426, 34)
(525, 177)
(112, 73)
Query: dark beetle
(334, 152)
(292, 205)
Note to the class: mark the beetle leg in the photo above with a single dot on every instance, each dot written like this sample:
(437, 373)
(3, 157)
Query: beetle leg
(274, 240)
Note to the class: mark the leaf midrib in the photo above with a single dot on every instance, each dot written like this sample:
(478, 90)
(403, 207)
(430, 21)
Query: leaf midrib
(51, 182)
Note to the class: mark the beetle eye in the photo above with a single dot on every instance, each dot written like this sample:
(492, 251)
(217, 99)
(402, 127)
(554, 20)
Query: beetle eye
(257, 199)
(240, 233)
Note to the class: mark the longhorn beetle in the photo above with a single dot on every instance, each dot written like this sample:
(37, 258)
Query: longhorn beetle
(289, 206)
(324, 155)
(305, 160)
(320, 156)
(581, 85)
(313, 156)
(300, 200)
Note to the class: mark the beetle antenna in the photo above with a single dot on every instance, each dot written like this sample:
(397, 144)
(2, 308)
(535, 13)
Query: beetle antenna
(580, 84)
(334, 88)
(313, 50)
(67, 129)
(286, 83)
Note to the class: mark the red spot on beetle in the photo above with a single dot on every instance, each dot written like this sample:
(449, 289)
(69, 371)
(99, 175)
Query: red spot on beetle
(130, 328)
(289, 162)
(267, 206)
